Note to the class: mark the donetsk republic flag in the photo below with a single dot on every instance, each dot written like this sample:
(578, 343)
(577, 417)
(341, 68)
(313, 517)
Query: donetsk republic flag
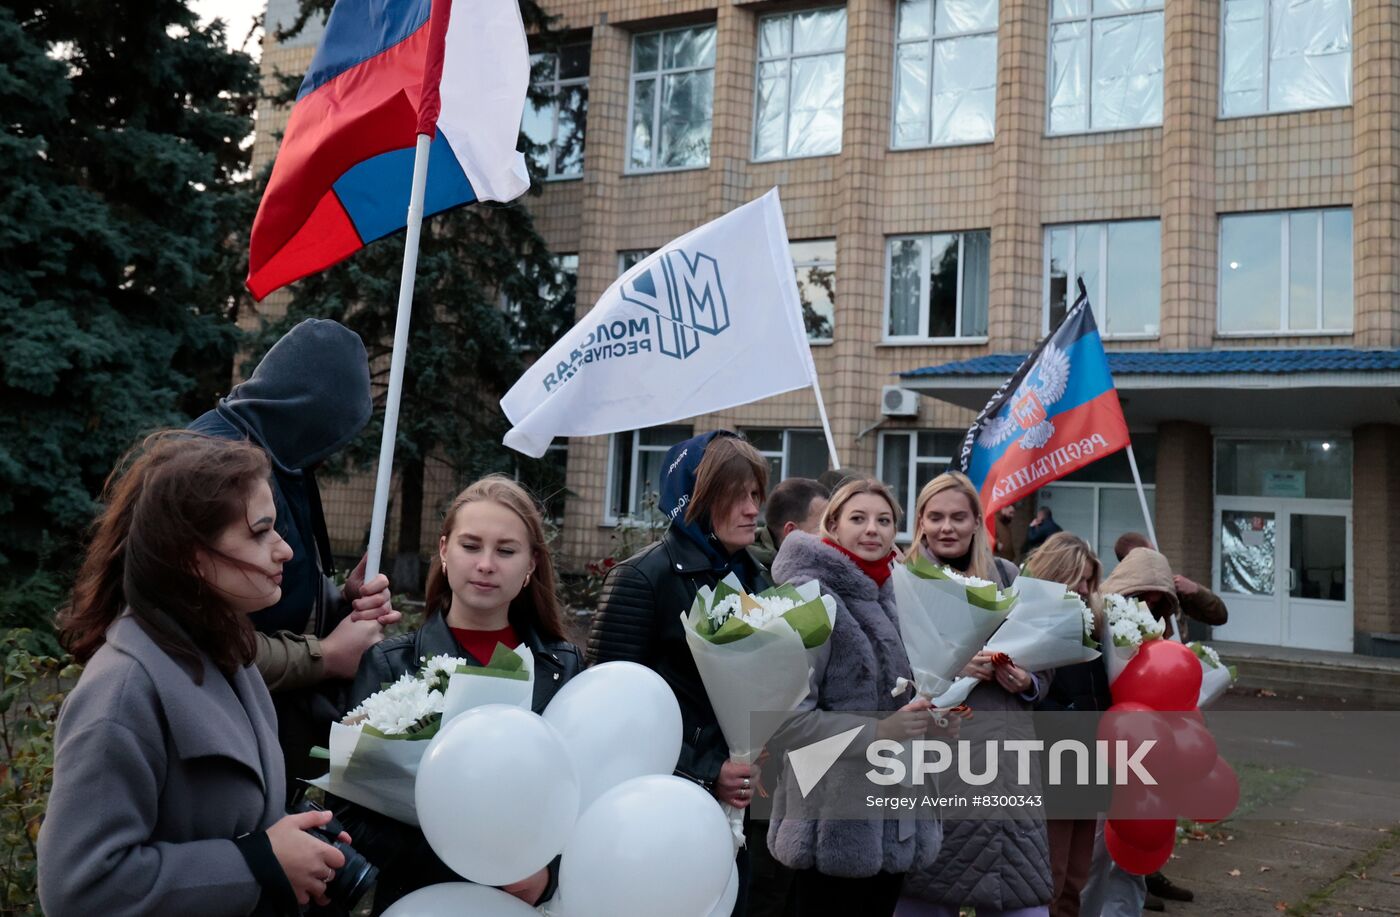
(1058, 413)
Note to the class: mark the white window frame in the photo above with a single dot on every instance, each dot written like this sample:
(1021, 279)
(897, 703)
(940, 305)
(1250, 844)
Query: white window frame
(906, 533)
(555, 87)
(658, 74)
(790, 57)
(1150, 490)
(922, 337)
(1097, 298)
(1285, 241)
(1268, 40)
(622, 266)
(610, 517)
(799, 266)
(1088, 19)
(932, 39)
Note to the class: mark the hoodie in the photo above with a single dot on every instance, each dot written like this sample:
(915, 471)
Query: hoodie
(308, 398)
(678, 476)
(1145, 570)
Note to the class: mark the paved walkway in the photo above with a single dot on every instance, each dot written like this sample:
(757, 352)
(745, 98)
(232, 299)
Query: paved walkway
(1330, 848)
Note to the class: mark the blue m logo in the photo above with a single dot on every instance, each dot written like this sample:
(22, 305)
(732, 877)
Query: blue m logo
(687, 297)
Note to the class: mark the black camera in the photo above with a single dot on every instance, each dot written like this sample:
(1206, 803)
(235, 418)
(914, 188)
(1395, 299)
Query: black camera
(356, 877)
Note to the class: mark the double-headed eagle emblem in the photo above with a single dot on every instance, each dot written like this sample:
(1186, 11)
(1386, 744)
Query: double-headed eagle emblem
(1026, 409)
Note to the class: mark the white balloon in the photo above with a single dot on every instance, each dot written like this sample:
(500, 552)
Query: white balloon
(652, 845)
(725, 906)
(496, 794)
(452, 899)
(619, 720)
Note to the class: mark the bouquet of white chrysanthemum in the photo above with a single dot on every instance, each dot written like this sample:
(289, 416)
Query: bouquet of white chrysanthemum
(375, 749)
(1130, 624)
(752, 654)
(1216, 676)
(1045, 629)
(944, 619)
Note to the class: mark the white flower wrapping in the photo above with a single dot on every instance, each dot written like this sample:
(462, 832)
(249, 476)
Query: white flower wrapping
(1216, 677)
(1129, 623)
(374, 752)
(766, 670)
(942, 629)
(1042, 631)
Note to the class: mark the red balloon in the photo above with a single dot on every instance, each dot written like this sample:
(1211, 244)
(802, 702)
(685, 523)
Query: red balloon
(1132, 859)
(1213, 797)
(1164, 675)
(1194, 752)
(1136, 723)
(1135, 802)
(1145, 833)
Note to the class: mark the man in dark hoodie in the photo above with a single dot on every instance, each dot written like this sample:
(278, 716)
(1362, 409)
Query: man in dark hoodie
(712, 488)
(307, 399)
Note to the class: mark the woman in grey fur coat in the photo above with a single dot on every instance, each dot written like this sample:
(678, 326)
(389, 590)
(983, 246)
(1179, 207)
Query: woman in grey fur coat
(999, 866)
(850, 865)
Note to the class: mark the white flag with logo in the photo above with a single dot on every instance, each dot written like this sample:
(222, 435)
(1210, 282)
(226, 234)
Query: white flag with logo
(708, 322)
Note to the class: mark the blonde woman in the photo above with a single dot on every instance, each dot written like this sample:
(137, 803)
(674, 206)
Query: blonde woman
(1000, 867)
(849, 865)
(1068, 559)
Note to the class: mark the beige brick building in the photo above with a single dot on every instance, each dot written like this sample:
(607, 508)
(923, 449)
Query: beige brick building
(1223, 174)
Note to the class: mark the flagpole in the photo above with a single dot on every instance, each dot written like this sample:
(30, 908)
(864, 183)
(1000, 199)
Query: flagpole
(400, 356)
(1142, 498)
(826, 421)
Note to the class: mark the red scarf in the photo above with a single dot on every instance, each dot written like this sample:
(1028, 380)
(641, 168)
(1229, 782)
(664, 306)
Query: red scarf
(878, 570)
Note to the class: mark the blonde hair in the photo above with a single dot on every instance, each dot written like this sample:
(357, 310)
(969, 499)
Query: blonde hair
(981, 564)
(1062, 559)
(854, 488)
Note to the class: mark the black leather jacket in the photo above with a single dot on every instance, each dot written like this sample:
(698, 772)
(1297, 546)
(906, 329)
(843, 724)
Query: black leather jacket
(639, 620)
(405, 859)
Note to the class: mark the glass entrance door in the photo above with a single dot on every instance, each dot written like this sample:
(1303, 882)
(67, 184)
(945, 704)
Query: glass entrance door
(1283, 568)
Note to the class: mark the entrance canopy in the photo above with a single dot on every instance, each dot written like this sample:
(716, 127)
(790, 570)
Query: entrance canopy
(1331, 388)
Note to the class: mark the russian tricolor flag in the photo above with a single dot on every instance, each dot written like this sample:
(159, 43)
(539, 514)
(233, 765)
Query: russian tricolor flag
(1058, 413)
(386, 71)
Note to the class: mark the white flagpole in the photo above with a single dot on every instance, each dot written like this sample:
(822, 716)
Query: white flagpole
(826, 421)
(396, 364)
(1142, 498)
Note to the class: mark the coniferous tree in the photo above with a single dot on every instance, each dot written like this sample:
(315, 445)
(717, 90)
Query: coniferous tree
(122, 181)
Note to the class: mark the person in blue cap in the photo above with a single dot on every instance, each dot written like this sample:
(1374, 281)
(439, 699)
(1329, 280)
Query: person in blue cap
(712, 490)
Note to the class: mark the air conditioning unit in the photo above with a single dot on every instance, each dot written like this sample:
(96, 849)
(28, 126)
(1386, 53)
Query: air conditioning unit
(898, 402)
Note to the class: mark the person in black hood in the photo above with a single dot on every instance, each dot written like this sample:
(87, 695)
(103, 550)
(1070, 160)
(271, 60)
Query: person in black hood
(308, 398)
(712, 488)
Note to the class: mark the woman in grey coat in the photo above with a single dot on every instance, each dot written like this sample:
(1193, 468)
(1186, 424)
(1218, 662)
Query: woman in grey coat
(1001, 866)
(168, 779)
(850, 865)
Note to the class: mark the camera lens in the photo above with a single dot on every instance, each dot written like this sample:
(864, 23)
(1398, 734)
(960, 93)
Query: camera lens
(352, 880)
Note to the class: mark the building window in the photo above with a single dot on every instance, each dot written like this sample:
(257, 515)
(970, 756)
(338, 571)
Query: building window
(1105, 65)
(945, 72)
(545, 477)
(672, 99)
(1285, 273)
(629, 259)
(790, 453)
(634, 471)
(536, 325)
(910, 459)
(801, 84)
(1284, 55)
(815, 262)
(1121, 266)
(557, 127)
(937, 286)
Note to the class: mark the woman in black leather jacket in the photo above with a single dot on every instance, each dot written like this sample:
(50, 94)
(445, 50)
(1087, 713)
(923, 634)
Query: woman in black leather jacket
(493, 583)
(712, 489)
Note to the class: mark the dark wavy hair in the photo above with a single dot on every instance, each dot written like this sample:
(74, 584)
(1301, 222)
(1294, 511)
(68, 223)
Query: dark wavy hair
(168, 499)
(537, 605)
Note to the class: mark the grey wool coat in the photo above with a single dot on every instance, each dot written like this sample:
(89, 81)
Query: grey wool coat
(853, 672)
(154, 777)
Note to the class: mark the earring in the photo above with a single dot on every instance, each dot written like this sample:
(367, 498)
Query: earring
(527, 581)
(444, 566)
